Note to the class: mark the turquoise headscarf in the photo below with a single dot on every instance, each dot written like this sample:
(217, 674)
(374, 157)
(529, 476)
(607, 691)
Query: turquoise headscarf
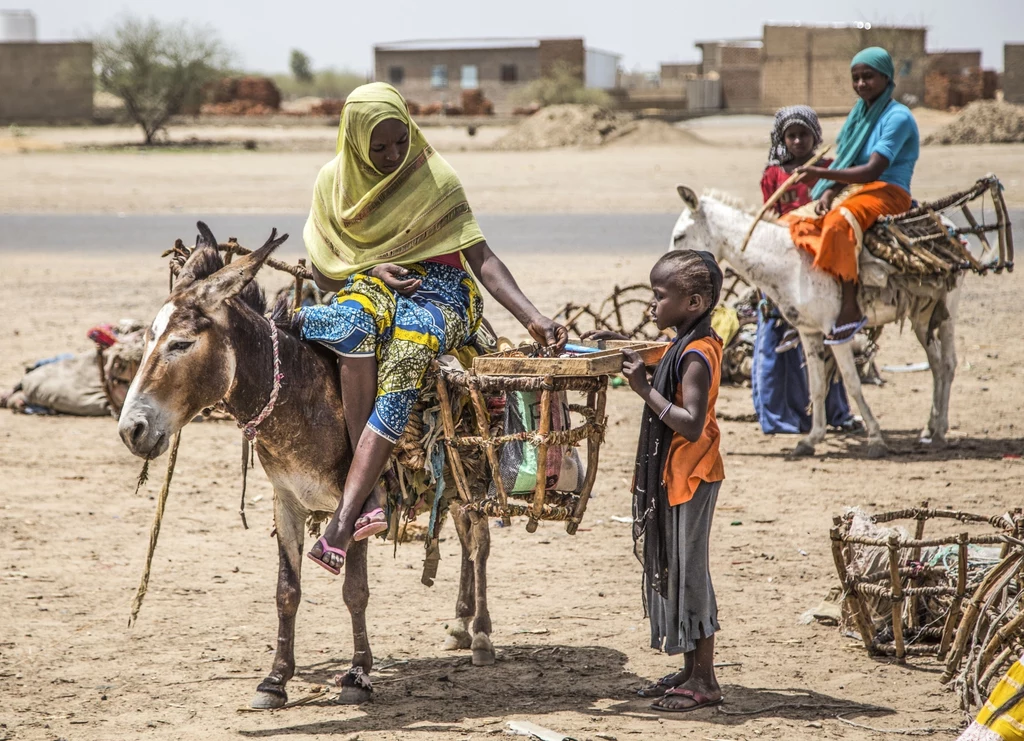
(862, 120)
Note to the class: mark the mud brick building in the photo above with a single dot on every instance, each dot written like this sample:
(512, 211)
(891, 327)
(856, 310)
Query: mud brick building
(45, 82)
(1013, 73)
(437, 71)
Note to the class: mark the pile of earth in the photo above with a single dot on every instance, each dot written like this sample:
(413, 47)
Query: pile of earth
(983, 122)
(585, 126)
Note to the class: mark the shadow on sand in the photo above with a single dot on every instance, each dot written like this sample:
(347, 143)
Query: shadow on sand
(441, 694)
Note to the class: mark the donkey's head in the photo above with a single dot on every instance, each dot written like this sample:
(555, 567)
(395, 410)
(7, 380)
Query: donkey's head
(189, 359)
(691, 229)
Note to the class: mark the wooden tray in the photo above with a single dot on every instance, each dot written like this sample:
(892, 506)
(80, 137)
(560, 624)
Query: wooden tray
(603, 363)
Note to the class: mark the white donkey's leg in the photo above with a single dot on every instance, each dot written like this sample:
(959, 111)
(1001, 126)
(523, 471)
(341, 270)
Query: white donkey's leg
(941, 352)
(814, 353)
(851, 379)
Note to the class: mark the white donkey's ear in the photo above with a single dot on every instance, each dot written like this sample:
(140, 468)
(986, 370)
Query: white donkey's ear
(688, 196)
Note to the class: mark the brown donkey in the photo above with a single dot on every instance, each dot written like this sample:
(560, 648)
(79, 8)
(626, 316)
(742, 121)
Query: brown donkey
(211, 342)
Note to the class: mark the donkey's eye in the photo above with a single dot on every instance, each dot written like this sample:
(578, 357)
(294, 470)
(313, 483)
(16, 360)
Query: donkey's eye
(179, 345)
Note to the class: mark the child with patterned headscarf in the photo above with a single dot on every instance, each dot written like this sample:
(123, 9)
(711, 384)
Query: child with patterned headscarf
(795, 135)
(778, 380)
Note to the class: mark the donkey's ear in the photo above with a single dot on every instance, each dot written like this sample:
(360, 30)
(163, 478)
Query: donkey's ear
(231, 279)
(688, 196)
(205, 238)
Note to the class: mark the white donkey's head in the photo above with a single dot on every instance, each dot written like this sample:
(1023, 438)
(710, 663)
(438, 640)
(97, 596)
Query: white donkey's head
(691, 231)
(189, 359)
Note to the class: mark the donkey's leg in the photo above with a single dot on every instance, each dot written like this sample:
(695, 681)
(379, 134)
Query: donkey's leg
(851, 379)
(289, 519)
(941, 352)
(459, 636)
(483, 650)
(355, 685)
(814, 354)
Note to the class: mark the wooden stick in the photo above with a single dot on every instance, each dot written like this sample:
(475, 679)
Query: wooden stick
(544, 427)
(483, 425)
(955, 609)
(974, 224)
(154, 531)
(897, 597)
(996, 198)
(792, 180)
(958, 248)
(596, 401)
(298, 285)
(458, 472)
(966, 626)
(851, 597)
(915, 556)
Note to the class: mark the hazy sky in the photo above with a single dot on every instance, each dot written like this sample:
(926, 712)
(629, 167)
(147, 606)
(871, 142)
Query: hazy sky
(644, 32)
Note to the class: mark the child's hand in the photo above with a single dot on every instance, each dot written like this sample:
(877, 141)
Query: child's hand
(634, 370)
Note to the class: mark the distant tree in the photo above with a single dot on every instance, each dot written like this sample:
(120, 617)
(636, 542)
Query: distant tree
(563, 84)
(301, 66)
(158, 69)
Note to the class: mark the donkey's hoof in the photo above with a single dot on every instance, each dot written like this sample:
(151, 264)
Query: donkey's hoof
(935, 442)
(458, 639)
(483, 650)
(269, 695)
(877, 449)
(803, 449)
(353, 696)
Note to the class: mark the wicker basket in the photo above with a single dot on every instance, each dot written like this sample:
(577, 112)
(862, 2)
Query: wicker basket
(905, 581)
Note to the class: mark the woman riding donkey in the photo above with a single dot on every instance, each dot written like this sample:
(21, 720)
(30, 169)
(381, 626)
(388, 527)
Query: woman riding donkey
(878, 147)
(390, 230)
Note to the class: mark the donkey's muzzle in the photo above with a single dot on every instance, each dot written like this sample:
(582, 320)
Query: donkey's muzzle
(139, 435)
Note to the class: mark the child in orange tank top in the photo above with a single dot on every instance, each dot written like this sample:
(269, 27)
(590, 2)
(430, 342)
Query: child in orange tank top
(678, 474)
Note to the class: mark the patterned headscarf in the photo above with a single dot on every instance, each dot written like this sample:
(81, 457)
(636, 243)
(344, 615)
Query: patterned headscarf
(784, 118)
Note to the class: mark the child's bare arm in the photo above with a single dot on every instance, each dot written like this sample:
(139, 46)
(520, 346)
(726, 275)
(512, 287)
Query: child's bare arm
(688, 419)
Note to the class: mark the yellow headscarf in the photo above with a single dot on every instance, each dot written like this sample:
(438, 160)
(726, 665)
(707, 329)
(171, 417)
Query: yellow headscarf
(361, 218)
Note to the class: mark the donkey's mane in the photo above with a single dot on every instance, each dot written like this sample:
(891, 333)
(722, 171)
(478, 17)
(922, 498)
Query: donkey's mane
(729, 199)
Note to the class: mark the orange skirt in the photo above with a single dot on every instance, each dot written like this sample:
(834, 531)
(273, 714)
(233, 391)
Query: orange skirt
(834, 240)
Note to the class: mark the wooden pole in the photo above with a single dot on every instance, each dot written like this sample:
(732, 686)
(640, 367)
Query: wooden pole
(850, 595)
(596, 401)
(458, 472)
(543, 428)
(483, 426)
(789, 182)
(298, 286)
(956, 609)
(915, 555)
(897, 597)
(974, 224)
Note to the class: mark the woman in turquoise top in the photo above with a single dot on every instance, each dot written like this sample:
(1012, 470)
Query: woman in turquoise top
(878, 148)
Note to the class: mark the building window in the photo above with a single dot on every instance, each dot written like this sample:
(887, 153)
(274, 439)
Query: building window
(439, 76)
(396, 75)
(509, 73)
(470, 77)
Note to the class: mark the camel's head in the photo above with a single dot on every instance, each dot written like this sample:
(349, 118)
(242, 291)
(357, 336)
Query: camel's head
(189, 359)
(691, 230)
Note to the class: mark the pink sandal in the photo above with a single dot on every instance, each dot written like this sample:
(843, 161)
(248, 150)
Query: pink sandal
(374, 524)
(327, 549)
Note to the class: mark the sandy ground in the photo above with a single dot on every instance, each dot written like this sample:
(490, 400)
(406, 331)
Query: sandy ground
(53, 174)
(569, 629)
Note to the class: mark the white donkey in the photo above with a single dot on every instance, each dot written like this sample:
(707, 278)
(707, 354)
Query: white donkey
(809, 300)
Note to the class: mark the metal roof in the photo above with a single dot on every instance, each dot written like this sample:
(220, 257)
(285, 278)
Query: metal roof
(455, 44)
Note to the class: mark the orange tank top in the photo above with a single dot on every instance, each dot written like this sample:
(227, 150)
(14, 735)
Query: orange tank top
(688, 464)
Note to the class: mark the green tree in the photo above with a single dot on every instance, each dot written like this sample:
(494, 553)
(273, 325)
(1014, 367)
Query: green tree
(158, 68)
(301, 66)
(563, 84)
